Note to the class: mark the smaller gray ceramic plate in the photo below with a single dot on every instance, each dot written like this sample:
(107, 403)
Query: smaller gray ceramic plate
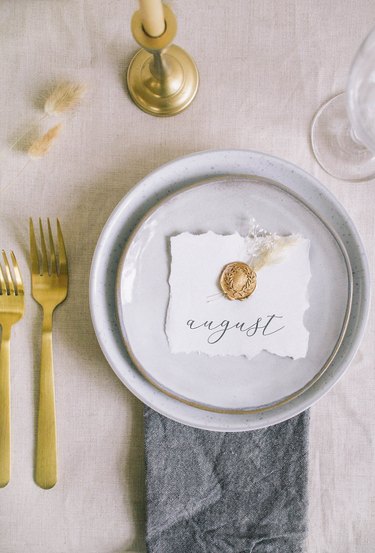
(227, 383)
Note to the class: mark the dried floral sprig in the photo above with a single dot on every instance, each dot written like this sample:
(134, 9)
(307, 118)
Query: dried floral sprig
(266, 248)
(63, 97)
(42, 145)
(275, 253)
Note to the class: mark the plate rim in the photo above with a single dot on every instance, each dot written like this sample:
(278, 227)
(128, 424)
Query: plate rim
(197, 404)
(231, 159)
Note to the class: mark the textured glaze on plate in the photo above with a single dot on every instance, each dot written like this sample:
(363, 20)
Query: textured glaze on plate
(175, 176)
(225, 206)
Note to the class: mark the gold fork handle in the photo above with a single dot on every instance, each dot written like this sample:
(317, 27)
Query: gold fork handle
(5, 407)
(46, 456)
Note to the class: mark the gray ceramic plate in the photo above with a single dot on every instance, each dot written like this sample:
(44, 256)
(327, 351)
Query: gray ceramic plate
(171, 178)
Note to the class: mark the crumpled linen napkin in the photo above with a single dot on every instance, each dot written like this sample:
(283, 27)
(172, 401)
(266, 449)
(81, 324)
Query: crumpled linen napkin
(210, 492)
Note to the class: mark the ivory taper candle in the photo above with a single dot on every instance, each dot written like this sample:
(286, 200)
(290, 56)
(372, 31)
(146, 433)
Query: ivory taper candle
(152, 15)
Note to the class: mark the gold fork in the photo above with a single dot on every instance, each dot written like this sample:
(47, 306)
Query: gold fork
(49, 287)
(11, 311)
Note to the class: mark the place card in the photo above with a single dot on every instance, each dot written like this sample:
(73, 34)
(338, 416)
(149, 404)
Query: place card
(200, 318)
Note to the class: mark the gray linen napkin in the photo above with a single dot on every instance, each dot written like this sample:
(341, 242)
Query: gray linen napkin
(225, 492)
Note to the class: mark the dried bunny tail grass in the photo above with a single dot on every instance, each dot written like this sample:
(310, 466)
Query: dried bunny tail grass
(275, 253)
(63, 97)
(42, 145)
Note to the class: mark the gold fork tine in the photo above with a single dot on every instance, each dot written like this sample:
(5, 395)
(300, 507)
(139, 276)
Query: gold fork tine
(33, 250)
(63, 263)
(3, 288)
(17, 274)
(8, 274)
(44, 249)
(52, 248)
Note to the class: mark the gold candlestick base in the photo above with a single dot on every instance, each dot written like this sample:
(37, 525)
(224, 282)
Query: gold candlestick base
(162, 78)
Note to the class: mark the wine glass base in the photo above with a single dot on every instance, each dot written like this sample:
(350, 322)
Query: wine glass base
(335, 146)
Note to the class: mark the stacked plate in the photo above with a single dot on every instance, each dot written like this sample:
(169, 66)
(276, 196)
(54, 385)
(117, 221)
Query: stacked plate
(129, 290)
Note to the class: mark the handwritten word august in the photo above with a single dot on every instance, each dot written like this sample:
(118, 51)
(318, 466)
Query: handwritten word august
(264, 326)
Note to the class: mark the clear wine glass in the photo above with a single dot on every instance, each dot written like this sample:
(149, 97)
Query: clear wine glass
(343, 130)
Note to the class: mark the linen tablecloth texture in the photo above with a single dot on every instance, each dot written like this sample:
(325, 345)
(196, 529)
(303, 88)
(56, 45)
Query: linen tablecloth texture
(214, 492)
(266, 66)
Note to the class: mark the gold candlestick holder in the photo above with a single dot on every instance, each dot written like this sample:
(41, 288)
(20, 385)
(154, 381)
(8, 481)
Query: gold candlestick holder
(162, 78)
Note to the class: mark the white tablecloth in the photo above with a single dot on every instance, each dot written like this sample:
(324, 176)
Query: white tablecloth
(266, 66)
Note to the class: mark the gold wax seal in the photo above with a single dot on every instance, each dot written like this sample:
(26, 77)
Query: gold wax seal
(238, 281)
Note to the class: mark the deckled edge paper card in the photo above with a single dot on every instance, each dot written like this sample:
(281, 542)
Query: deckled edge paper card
(201, 319)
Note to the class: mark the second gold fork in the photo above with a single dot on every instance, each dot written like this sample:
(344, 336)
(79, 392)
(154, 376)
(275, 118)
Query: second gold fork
(49, 286)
